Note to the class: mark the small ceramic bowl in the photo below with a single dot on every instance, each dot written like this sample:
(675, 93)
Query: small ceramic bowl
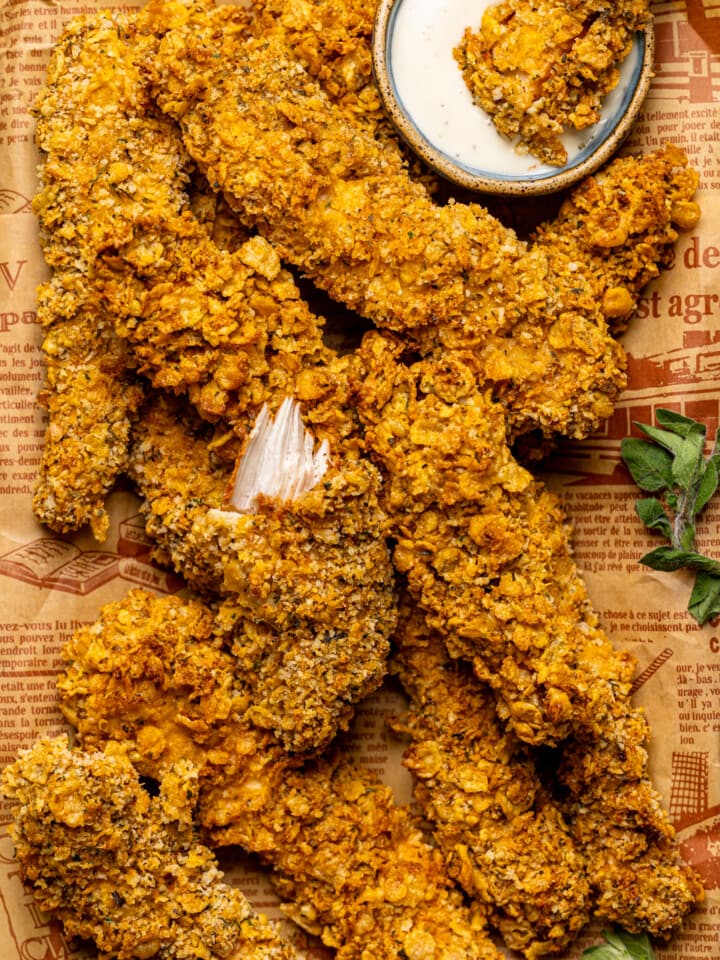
(426, 98)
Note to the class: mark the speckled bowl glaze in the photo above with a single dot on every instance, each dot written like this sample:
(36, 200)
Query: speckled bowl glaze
(599, 142)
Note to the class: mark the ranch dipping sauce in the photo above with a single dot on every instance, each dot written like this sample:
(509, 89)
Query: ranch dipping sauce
(430, 88)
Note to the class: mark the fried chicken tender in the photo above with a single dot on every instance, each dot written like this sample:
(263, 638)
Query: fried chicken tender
(503, 837)
(579, 283)
(617, 820)
(486, 553)
(85, 204)
(117, 867)
(604, 847)
(483, 546)
(307, 586)
(332, 39)
(537, 67)
(92, 397)
(339, 204)
(151, 679)
(226, 326)
(99, 142)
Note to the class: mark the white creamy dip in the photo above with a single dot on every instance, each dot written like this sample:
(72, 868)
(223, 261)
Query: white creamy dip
(430, 88)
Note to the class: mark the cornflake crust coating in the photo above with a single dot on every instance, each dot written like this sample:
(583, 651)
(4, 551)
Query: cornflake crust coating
(92, 397)
(95, 137)
(200, 328)
(127, 236)
(537, 67)
(546, 839)
(486, 555)
(149, 679)
(619, 823)
(483, 547)
(503, 836)
(122, 869)
(307, 587)
(339, 204)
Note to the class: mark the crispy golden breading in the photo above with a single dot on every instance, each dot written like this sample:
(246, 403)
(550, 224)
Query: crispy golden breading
(82, 207)
(118, 867)
(339, 204)
(574, 289)
(307, 586)
(618, 821)
(234, 696)
(537, 67)
(150, 677)
(221, 321)
(315, 175)
(621, 225)
(502, 836)
(483, 546)
(332, 39)
(604, 846)
(92, 397)
(486, 553)
(227, 326)
(91, 392)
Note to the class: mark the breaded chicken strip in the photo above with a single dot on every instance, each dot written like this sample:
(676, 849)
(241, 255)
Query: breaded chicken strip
(503, 837)
(617, 820)
(307, 585)
(483, 546)
(594, 840)
(339, 204)
(537, 67)
(151, 678)
(92, 397)
(559, 369)
(486, 553)
(226, 326)
(140, 283)
(333, 41)
(98, 143)
(120, 868)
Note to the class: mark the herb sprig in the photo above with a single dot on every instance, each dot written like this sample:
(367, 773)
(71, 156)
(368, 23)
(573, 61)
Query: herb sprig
(620, 945)
(672, 465)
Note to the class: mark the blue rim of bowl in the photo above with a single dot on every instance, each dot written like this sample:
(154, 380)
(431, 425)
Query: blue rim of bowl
(599, 148)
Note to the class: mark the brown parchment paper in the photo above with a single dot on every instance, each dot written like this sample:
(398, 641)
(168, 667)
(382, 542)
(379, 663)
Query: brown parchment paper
(51, 584)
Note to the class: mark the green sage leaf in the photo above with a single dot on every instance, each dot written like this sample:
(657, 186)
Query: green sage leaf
(652, 514)
(620, 945)
(704, 604)
(667, 559)
(707, 486)
(715, 454)
(688, 462)
(677, 423)
(665, 438)
(649, 465)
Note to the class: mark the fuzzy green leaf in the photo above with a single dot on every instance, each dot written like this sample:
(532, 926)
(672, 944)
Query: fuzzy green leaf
(707, 486)
(665, 438)
(651, 512)
(649, 465)
(620, 945)
(704, 601)
(715, 454)
(668, 559)
(677, 423)
(685, 482)
(688, 461)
